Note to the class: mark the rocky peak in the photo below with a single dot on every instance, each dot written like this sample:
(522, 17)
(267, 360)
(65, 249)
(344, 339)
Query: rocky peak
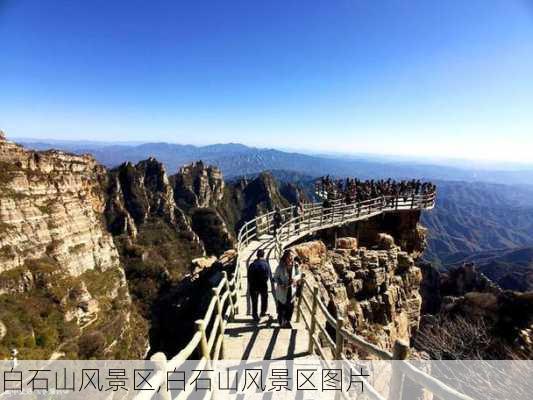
(2, 136)
(198, 185)
(293, 193)
(138, 192)
(263, 193)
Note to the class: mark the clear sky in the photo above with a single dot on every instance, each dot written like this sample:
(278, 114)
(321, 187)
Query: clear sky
(447, 78)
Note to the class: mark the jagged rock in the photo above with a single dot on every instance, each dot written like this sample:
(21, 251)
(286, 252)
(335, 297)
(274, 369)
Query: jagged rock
(228, 257)
(293, 193)
(20, 282)
(141, 191)
(53, 243)
(199, 264)
(85, 306)
(348, 243)
(385, 241)
(464, 292)
(212, 230)
(376, 290)
(405, 261)
(198, 185)
(311, 252)
(402, 226)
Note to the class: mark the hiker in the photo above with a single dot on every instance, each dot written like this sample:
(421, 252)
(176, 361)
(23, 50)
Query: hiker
(259, 274)
(286, 282)
(297, 212)
(277, 220)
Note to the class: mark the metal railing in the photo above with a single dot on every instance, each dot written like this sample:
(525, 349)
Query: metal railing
(208, 341)
(313, 312)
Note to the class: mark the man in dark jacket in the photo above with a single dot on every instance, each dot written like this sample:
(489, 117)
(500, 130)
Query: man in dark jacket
(259, 274)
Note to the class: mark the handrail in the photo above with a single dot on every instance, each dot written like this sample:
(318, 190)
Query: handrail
(208, 339)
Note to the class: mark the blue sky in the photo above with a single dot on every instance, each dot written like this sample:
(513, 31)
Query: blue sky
(427, 78)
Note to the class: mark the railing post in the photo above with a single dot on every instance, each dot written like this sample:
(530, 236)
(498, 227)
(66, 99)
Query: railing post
(313, 318)
(237, 287)
(221, 325)
(161, 361)
(400, 351)
(339, 339)
(204, 349)
(228, 288)
(299, 304)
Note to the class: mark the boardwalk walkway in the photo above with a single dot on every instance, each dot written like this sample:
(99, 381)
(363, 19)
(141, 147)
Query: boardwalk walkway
(227, 330)
(243, 338)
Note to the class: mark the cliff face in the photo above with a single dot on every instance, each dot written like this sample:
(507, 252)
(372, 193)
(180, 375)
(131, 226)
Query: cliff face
(247, 198)
(200, 189)
(376, 289)
(51, 205)
(403, 226)
(161, 224)
(61, 282)
(198, 185)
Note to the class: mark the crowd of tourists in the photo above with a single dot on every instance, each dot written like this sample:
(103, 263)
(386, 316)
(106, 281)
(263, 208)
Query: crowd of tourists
(352, 190)
(286, 279)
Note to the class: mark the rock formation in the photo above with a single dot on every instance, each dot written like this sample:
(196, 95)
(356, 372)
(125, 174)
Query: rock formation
(50, 205)
(200, 190)
(60, 274)
(404, 227)
(197, 185)
(376, 291)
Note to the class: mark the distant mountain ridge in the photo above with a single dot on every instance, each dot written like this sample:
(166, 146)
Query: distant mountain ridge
(236, 159)
(477, 217)
(509, 268)
(474, 221)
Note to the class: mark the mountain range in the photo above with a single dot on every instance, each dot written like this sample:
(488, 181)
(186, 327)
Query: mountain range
(482, 215)
(236, 159)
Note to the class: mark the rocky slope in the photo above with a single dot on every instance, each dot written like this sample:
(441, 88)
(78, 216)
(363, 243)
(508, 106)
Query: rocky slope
(62, 287)
(467, 316)
(375, 287)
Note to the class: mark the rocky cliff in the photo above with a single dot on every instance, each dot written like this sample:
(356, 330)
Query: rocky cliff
(375, 288)
(62, 288)
(170, 230)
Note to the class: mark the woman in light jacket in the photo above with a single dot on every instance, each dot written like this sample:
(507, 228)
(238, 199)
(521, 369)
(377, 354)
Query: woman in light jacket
(286, 280)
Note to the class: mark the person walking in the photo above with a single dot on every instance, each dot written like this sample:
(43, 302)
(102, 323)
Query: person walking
(298, 212)
(277, 220)
(259, 274)
(287, 279)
